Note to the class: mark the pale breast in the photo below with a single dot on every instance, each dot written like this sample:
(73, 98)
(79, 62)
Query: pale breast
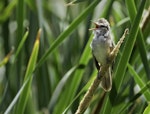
(100, 49)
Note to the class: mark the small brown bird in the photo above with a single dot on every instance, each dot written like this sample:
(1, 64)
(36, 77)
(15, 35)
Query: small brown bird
(102, 44)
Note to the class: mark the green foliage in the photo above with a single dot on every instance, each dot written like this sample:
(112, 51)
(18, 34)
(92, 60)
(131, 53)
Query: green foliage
(147, 110)
(54, 76)
(28, 75)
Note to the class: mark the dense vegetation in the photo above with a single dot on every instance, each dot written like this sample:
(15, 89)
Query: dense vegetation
(46, 65)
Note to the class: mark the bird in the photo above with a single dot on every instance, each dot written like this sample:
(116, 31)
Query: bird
(102, 45)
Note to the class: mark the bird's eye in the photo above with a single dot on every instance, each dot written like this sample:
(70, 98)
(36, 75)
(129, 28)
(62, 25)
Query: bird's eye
(102, 26)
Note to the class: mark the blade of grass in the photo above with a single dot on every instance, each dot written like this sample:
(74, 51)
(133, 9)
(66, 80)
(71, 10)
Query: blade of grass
(72, 87)
(144, 89)
(139, 81)
(7, 11)
(68, 31)
(140, 39)
(12, 104)
(147, 110)
(128, 48)
(44, 81)
(21, 45)
(5, 60)
(20, 30)
(122, 64)
(40, 18)
(60, 86)
(20, 18)
(31, 66)
(12, 77)
(146, 26)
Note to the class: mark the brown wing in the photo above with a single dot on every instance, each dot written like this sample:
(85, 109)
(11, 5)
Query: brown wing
(96, 63)
(112, 46)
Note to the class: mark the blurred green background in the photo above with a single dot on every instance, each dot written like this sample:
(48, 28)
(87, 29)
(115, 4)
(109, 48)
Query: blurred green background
(52, 76)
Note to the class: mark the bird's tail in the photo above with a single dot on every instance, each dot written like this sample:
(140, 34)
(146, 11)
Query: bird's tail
(106, 81)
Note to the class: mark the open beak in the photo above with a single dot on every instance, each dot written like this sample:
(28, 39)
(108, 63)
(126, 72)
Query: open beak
(92, 28)
(96, 26)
